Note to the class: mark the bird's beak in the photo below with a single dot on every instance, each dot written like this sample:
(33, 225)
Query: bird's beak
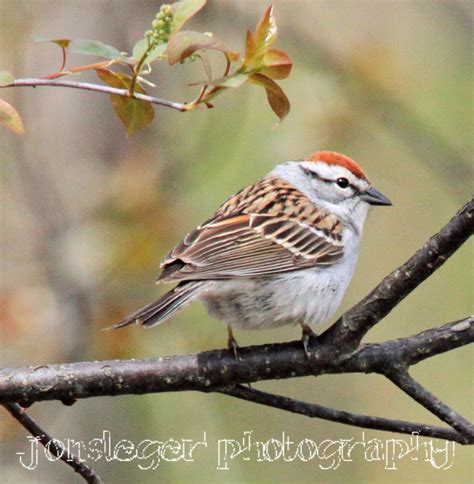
(373, 197)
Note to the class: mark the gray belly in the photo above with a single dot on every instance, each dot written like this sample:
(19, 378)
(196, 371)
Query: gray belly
(305, 296)
(243, 304)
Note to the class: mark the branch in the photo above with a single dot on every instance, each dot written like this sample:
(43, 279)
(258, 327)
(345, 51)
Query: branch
(336, 351)
(54, 446)
(352, 326)
(97, 88)
(314, 410)
(218, 368)
(406, 383)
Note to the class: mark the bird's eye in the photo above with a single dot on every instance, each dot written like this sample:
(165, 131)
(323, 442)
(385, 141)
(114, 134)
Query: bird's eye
(342, 182)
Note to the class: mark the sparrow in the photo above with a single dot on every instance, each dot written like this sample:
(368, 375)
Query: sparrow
(279, 252)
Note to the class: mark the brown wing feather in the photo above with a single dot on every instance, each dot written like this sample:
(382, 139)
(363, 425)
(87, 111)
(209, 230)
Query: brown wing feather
(265, 229)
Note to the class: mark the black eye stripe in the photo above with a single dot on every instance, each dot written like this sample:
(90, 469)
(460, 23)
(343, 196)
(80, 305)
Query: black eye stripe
(313, 174)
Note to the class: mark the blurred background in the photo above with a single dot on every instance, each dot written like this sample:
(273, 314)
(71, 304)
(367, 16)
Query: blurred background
(87, 215)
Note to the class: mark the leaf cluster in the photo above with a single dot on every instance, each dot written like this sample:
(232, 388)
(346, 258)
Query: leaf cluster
(261, 65)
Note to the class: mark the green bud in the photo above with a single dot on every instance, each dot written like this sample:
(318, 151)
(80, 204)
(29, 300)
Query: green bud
(149, 33)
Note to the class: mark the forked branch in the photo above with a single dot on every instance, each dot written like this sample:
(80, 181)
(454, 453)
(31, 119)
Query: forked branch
(336, 351)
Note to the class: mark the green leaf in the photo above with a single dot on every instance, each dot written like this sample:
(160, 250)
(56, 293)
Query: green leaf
(133, 113)
(157, 52)
(10, 118)
(277, 64)
(96, 48)
(63, 43)
(139, 49)
(142, 46)
(6, 78)
(276, 97)
(183, 11)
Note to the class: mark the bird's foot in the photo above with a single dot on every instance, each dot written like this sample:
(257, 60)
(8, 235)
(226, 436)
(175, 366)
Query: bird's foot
(232, 343)
(306, 337)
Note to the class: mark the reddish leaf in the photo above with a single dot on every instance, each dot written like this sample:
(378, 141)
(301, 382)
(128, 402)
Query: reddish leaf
(133, 113)
(187, 42)
(266, 32)
(263, 38)
(276, 97)
(183, 11)
(277, 64)
(63, 43)
(206, 65)
(250, 48)
(10, 118)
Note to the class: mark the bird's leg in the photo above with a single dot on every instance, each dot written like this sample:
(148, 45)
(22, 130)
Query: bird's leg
(308, 333)
(231, 342)
(233, 346)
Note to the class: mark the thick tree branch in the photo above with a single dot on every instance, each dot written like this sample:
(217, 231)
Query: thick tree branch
(336, 351)
(219, 368)
(96, 88)
(54, 446)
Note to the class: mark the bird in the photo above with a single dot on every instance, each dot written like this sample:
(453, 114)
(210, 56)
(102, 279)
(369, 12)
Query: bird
(281, 251)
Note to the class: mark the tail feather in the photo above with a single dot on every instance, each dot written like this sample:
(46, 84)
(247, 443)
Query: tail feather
(160, 310)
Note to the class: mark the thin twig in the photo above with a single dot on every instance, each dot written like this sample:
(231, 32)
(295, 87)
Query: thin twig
(314, 410)
(53, 445)
(411, 387)
(97, 88)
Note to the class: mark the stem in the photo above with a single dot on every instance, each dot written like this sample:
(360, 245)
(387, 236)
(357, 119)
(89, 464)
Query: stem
(138, 67)
(76, 70)
(97, 88)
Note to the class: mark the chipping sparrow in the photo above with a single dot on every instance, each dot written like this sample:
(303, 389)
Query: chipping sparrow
(281, 251)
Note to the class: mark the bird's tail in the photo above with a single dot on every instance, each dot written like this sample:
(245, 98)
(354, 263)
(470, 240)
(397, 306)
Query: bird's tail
(161, 309)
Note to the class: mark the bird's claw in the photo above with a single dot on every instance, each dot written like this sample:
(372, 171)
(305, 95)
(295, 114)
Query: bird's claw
(306, 337)
(233, 347)
(232, 343)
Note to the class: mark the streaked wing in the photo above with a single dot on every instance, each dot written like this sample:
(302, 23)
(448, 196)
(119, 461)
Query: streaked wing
(250, 245)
